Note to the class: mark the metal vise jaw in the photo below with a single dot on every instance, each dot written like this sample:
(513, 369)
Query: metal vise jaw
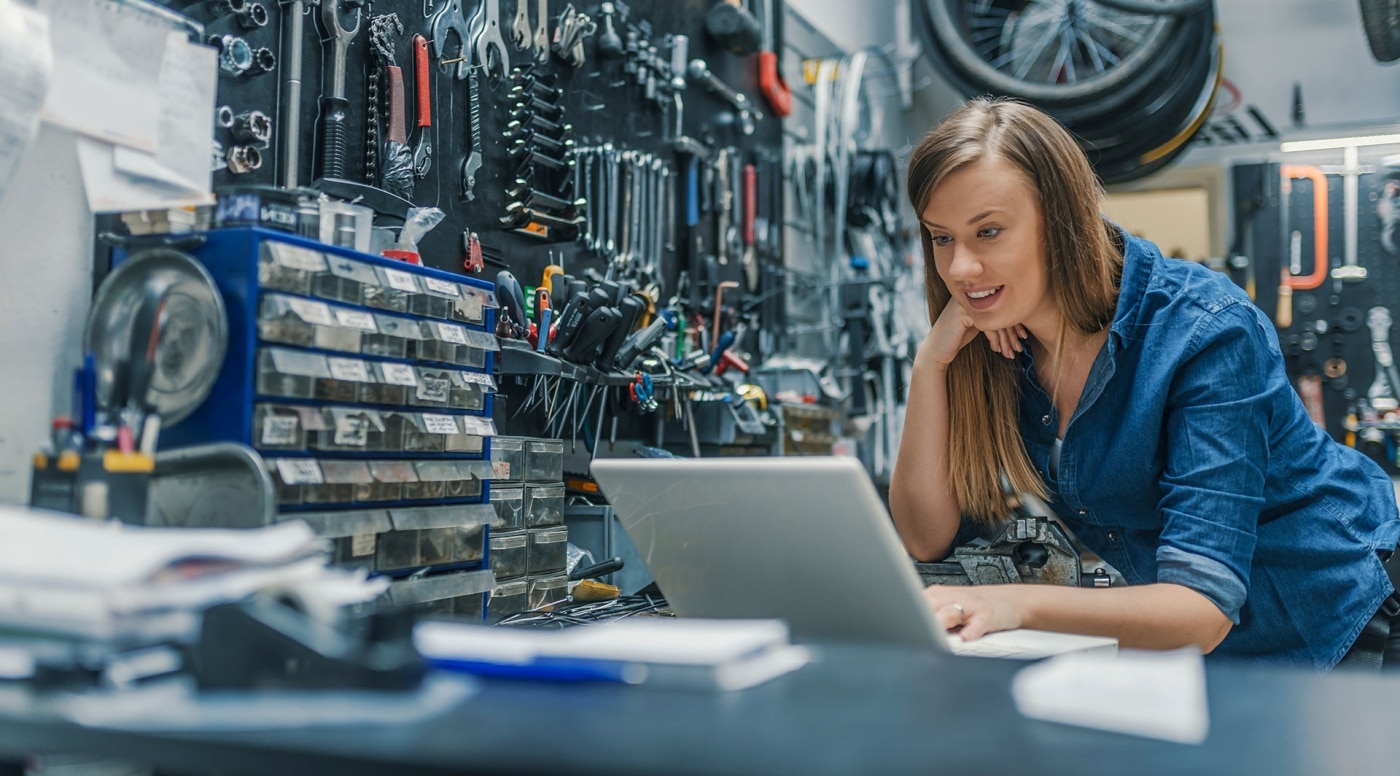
(1031, 550)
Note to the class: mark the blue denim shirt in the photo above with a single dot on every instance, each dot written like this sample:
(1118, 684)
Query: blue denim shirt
(1191, 460)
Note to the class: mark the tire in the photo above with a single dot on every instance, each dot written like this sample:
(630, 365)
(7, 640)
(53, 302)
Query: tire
(980, 38)
(1381, 20)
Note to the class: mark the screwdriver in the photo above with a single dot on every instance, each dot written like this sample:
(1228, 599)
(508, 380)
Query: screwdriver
(544, 312)
(639, 343)
(595, 328)
(631, 308)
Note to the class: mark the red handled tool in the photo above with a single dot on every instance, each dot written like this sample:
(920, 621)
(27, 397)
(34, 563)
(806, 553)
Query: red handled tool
(770, 81)
(423, 102)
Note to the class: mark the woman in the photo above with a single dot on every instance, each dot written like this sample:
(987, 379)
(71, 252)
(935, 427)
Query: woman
(1145, 399)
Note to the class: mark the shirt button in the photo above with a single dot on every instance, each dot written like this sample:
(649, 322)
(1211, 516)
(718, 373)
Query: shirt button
(1083, 512)
(1112, 535)
(1045, 420)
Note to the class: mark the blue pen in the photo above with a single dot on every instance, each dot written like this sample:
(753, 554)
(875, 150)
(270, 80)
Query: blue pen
(89, 394)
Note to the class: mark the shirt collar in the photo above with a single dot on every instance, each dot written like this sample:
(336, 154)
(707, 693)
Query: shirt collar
(1139, 259)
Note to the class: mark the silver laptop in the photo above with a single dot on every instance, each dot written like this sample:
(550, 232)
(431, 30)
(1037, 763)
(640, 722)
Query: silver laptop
(806, 540)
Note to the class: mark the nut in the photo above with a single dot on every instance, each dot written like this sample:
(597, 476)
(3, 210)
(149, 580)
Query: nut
(243, 158)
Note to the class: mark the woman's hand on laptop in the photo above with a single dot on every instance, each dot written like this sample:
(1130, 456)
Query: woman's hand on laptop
(975, 611)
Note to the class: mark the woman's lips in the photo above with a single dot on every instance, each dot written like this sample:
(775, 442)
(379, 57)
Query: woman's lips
(984, 302)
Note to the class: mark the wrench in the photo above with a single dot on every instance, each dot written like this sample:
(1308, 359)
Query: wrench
(520, 31)
(449, 19)
(422, 78)
(1379, 321)
(334, 106)
(472, 163)
(490, 37)
(542, 33)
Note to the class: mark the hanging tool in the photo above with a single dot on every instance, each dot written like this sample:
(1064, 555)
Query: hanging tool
(1386, 386)
(1287, 173)
(423, 102)
(472, 163)
(449, 19)
(334, 106)
(289, 142)
(397, 173)
(542, 33)
(750, 260)
(489, 39)
(770, 81)
(1283, 315)
(520, 31)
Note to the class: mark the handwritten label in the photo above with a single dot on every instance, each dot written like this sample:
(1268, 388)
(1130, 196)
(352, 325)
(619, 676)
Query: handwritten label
(449, 333)
(356, 319)
(441, 424)
(434, 389)
(401, 281)
(349, 369)
(352, 431)
(279, 430)
(446, 288)
(318, 313)
(299, 471)
(500, 470)
(399, 374)
(362, 545)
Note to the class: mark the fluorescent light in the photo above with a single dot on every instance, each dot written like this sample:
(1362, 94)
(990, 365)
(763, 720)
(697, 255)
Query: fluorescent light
(1339, 142)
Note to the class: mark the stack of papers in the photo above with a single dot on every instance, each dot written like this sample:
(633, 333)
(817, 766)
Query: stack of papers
(68, 577)
(685, 653)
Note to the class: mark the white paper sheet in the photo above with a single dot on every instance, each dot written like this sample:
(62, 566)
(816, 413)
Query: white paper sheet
(1152, 694)
(106, 71)
(177, 173)
(26, 68)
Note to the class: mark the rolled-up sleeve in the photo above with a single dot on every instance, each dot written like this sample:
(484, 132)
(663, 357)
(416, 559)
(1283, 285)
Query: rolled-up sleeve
(1217, 433)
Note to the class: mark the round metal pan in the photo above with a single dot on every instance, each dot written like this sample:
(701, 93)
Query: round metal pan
(171, 363)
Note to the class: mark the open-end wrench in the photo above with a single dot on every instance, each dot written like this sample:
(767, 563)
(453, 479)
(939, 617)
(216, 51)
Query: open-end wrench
(489, 37)
(334, 106)
(542, 33)
(520, 31)
(449, 19)
(1379, 321)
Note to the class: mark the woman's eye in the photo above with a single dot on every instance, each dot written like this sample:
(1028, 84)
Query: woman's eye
(941, 239)
(988, 232)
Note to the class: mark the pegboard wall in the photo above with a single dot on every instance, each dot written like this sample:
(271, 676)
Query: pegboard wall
(614, 100)
(1329, 338)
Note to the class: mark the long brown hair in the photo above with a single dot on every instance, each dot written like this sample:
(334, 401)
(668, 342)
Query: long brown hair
(1085, 266)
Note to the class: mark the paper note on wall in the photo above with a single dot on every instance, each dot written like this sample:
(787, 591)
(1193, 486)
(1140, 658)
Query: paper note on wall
(106, 64)
(26, 64)
(177, 173)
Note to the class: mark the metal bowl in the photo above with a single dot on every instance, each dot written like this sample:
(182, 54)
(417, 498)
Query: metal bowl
(172, 292)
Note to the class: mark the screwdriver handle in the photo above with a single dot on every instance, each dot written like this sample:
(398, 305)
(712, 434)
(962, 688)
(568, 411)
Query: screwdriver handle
(423, 98)
(595, 328)
(638, 343)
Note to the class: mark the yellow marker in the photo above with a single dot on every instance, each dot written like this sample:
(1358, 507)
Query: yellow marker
(117, 462)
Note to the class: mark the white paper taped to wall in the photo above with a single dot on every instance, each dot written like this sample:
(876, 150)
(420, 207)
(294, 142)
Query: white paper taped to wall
(26, 66)
(177, 174)
(106, 71)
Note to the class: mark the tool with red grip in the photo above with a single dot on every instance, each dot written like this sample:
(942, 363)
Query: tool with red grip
(423, 103)
(770, 80)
